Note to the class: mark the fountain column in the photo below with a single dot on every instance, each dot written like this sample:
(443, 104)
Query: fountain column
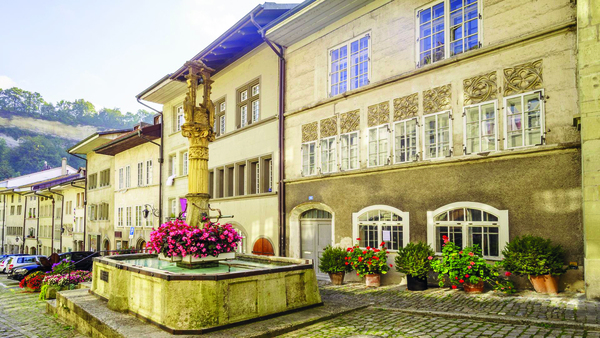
(198, 128)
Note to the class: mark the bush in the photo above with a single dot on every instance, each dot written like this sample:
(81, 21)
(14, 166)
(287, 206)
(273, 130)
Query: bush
(533, 256)
(334, 260)
(369, 261)
(415, 259)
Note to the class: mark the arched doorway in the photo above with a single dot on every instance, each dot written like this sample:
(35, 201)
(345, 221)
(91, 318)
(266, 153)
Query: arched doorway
(315, 235)
(32, 251)
(141, 244)
(106, 246)
(295, 247)
(263, 247)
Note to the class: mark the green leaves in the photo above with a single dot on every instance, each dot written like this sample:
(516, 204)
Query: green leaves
(533, 256)
(334, 260)
(414, 260)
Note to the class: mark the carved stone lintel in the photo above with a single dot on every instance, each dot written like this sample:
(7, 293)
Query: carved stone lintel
(523, 78)
(406, 107)
(437, 99)
(350, 121)
(378, 114)
(480, 88)
(328, 127)
(310, 132)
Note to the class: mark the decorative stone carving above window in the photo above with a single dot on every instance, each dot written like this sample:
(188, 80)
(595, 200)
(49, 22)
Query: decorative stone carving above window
(480, 89)
(309, 131)
(523, 78)
(350, 121)
(379, 114)
(406, 107)
(437, 99)
(328, 127)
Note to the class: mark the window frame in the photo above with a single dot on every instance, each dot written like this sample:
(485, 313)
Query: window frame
(446, 31)
(302, 158)
(450, 141)
(387, 129)
(179, 112)
(417, 143)
(542, 119)
(247, 102)
(348, 43)
(341, 159)
(497, 139)
(149, 173)
(405, 223)
(184, 163)
(503, 226)
(140, 172)
(335, 162)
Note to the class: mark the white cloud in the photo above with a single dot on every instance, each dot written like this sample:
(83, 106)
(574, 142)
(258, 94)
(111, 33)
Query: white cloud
(6, 82)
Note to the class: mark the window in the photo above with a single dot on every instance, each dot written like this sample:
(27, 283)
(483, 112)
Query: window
(173, 207)
(179, 119)
(358, 51)
(405, 141)
(269, 176)
(524, 120)
(172, 166)
(447, 28)
(93, 181)
(308, 158)
(127, 177)
(378, 145)
(150, 219)
(19, 209)
(105, 178)
(128, 219)
(328, 156)
(349, 150)
(140, 174)
(381, 223)
(121, 178)
(138, 216)
(480, 128)
(437, 134)
(219, 128)
(149, 172)
(120, 217)
(184, 164)
(468, 224)
(244, 100)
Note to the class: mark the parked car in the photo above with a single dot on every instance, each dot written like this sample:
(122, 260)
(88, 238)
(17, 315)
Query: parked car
(4, 261)
(84, 260)
(20, 272)
(18, 261)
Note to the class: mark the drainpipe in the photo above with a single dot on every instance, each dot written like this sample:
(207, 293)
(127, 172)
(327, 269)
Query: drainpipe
(279, 50)
(24, 222)
(37, 232)
(62, 213)
(3, 223)
(160, 159)
(52, 240)
(85, 193)
(76, 186)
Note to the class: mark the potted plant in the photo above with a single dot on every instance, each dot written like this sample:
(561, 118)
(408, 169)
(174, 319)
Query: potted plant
(468, 268)
(335, 263)
(537, 258)
(370, 263)
(414, 260)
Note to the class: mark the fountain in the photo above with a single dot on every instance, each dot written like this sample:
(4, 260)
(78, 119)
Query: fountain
(199, 297)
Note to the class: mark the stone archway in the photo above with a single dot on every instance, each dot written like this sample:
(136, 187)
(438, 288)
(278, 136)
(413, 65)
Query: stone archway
(294, 222)
(141, 244)
(32, 250)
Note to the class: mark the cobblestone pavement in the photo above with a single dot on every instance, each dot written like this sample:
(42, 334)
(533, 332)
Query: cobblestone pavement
(566, 307)
(24, 315)
(373, 322)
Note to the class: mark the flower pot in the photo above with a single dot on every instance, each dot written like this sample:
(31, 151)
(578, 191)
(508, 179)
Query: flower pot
(337, 278)
(539, 283)
(473, 288)
(416, 283)
(551, 284)
(373, 280)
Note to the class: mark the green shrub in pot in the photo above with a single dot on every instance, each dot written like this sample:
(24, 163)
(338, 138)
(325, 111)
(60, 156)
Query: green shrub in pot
(414, 260)
(334, 262)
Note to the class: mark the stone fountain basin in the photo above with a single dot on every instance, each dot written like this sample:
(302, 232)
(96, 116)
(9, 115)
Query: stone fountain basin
(194, 301)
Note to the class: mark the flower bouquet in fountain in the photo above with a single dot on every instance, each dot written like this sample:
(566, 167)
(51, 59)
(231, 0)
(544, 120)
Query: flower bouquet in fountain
(194, 246)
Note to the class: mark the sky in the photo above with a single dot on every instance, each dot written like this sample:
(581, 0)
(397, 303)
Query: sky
(106, 51)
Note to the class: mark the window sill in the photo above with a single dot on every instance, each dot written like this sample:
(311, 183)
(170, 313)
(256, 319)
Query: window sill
(230, 198)
(250, 126)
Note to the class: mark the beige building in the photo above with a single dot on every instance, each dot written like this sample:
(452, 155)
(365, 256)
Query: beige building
(98, 232)
(411, 120)
(136, 184)
(243, 159)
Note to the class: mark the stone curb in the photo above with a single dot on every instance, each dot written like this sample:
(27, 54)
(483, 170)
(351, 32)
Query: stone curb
(299, 325)
(497, 318)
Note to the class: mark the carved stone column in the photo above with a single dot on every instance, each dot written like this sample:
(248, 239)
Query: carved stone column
(198, 128)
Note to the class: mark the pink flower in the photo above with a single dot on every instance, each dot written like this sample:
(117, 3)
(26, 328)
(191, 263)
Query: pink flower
(471, 254)
(507, 273)
(468, 267)
(454, 286)
(472, 263)
(430, 258)
(461, 281)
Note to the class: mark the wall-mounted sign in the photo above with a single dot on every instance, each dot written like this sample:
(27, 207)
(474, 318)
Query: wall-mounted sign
(310, 198)
(386, 235)
(131, 232)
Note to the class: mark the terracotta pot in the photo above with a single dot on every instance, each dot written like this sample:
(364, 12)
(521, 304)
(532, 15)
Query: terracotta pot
(373, 280)
(552, 284)
(539, 283)
(473, 288)
(416, 283)
(337, 278)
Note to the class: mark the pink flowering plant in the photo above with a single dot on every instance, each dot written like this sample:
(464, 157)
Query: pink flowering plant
(368, 261)
(459, 266)
(176, 238)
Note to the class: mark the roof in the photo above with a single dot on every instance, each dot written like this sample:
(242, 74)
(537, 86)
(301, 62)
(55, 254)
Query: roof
(56, 181)
(234, 43)
(309, 17)
(130, 140)
(95, 140)
(30, 179)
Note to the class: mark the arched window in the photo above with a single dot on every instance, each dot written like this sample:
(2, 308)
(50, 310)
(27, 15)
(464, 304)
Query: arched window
(381, 223)
(316, 214)
(467, 224)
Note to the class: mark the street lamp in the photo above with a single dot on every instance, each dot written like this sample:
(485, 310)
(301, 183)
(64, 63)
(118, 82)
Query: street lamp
(146, 212)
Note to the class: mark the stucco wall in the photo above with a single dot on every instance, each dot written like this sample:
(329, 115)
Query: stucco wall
(105, 228)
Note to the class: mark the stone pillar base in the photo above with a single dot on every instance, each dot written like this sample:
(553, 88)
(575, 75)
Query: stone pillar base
(197, 204)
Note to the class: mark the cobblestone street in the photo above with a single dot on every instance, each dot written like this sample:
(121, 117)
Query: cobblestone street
(23, 315)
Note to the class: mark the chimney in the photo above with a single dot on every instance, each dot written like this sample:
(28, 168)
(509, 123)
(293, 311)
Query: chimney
(64, 166)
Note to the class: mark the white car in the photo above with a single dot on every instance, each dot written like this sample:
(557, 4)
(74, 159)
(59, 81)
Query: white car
(4, 263)
(17, 261)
